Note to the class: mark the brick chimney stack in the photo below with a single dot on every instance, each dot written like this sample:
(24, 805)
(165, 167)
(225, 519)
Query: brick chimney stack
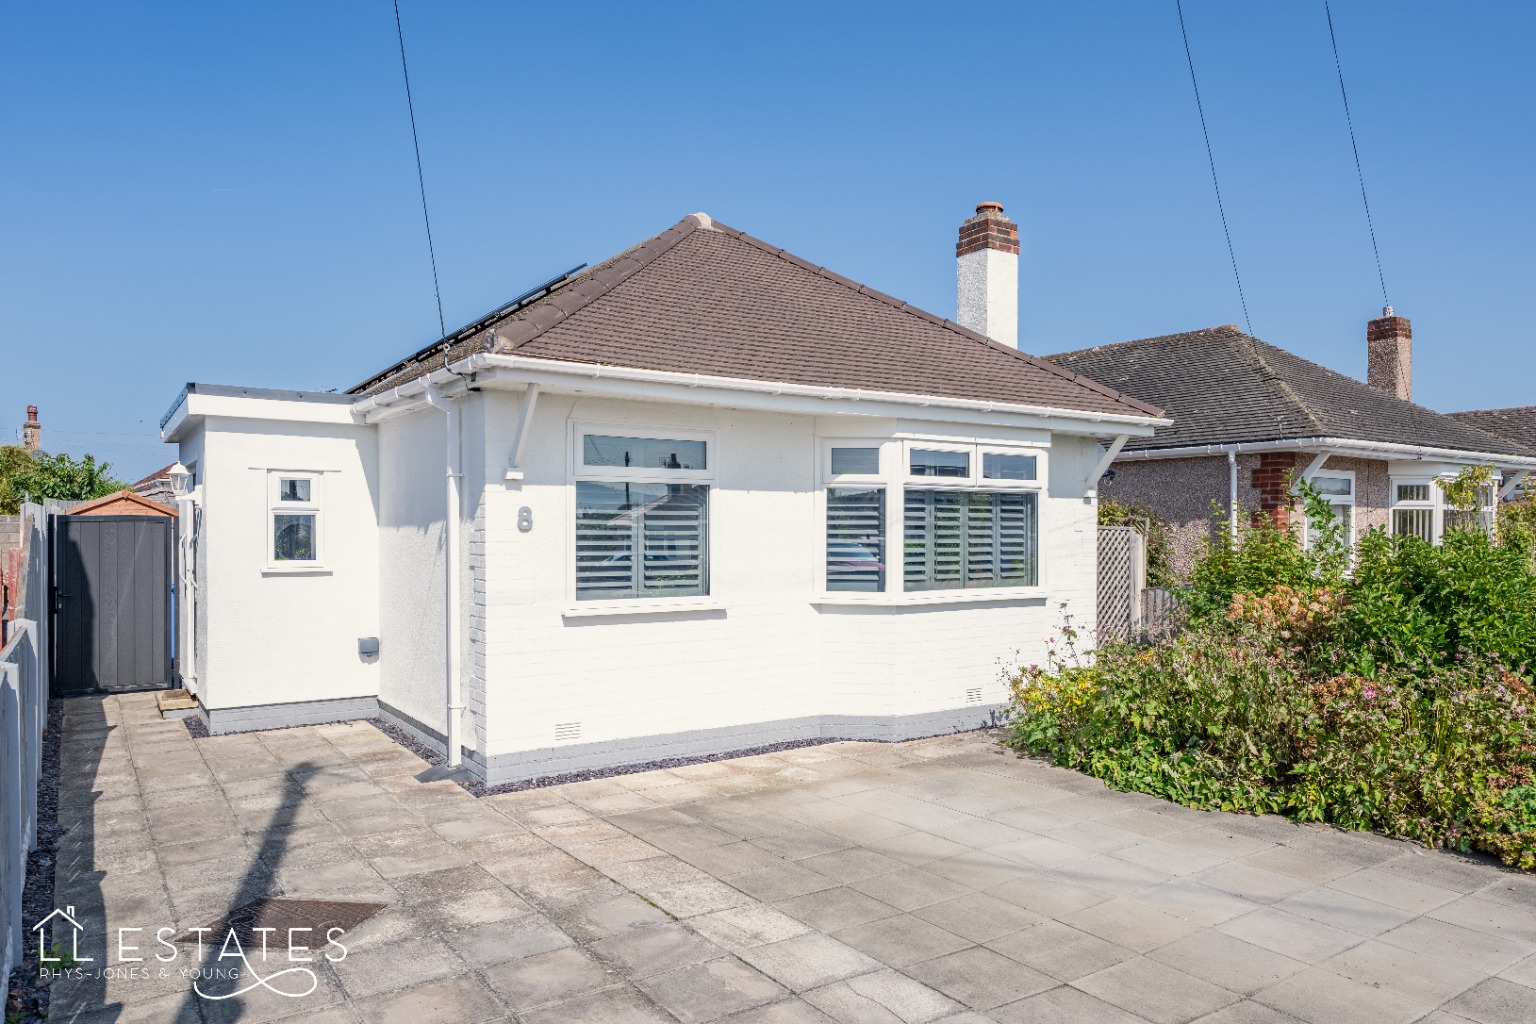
(32, 431)
(1389, 355)
(988, 275)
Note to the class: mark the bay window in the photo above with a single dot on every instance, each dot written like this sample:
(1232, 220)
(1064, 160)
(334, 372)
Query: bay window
(962, 516)
(642, 515)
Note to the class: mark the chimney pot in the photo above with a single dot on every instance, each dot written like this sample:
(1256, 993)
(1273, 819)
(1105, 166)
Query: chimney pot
(987, 257)
(1389, 355)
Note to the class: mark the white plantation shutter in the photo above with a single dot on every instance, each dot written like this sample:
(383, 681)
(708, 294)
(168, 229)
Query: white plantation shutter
(957, 539)
(641, 540)
(856, 538)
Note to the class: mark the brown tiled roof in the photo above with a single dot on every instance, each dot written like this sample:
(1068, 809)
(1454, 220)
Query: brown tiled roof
(1517, 424)
(707, 299)
(1222, 386)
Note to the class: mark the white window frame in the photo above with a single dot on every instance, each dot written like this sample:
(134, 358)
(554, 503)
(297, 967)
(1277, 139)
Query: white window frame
(896, 478)
(1336, 501)
(315, 506)
(578, 471)
(1436, 503)
(1433, 504)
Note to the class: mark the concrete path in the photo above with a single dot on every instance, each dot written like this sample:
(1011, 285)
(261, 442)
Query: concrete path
(937, 881)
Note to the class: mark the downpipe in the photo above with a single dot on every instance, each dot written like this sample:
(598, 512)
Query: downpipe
(453, 728)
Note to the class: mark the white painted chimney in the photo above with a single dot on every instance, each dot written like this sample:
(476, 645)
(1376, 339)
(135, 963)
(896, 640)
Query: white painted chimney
(987, 255)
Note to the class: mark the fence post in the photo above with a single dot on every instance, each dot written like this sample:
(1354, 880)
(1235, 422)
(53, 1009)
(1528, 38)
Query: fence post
(13, 847)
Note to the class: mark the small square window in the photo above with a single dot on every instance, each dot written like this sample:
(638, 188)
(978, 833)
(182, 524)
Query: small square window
(929, 462)
(1336, 486)
(1413, 492)
(997, 466)
(855, 461)
(290, 489)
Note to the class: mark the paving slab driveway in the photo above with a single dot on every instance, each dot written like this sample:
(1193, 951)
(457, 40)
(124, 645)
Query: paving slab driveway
(940, 880)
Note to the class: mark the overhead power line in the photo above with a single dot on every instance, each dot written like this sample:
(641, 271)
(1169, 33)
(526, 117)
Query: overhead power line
(1359, 173)
(421, 180)
(1211, 157)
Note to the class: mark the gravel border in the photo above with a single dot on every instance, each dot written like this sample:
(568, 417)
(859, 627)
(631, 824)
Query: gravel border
(27, 997)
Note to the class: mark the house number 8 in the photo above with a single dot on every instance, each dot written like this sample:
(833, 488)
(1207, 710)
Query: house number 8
(525, 519)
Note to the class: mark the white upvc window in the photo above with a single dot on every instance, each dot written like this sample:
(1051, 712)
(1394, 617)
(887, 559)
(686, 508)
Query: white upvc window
(1419, 508)
(642, 512)
(1416, 508)
(1337, 488)
(918, 517)
(970, 516)
(856, 498)
(294, 519)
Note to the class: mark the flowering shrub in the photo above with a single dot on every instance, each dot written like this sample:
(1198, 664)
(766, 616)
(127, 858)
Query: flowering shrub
(1396, 696)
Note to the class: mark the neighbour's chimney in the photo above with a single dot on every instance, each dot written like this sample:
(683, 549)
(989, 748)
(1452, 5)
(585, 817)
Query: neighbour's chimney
(988, 275)
(1389, 355)
(32, 431)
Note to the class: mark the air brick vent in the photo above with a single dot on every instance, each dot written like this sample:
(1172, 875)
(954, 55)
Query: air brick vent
(973, 695)
(565, 732)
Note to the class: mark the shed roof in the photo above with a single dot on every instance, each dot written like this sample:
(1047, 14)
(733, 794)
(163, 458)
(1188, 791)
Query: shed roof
(706, 299)
(1222, 386)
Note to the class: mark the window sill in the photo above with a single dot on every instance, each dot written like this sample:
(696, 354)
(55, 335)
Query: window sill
(306, 569)
(641, 606)
(932, 597)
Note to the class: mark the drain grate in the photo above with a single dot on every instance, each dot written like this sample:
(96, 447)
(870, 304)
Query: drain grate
(282, 914)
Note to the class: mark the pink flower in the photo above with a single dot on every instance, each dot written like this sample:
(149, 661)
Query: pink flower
(1369, 693)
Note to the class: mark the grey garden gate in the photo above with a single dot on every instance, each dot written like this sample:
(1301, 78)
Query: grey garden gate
(111, 589)
(1122, 579)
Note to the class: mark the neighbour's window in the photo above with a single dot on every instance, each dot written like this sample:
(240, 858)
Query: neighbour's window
(1470, 519)
(1413, 510)
(294, 529)
(971, 529)
(642, 517)
(1339, 491)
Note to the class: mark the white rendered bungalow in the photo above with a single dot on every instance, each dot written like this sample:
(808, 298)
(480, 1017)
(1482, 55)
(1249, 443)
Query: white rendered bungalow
(700, 498)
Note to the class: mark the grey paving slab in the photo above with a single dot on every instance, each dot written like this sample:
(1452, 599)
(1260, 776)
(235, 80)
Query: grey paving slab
(1062, 1004)
(712, 990)
(935, 881)
(1155, 991)
(980, 978)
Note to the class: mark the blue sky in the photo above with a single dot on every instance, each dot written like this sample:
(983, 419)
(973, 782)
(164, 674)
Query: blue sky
(226, 192)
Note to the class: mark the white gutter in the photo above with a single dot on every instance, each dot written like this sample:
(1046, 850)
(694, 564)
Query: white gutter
(696, 388)
(455, 713)
(1339, 446)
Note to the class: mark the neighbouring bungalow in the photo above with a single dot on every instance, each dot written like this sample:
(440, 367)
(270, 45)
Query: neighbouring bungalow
(703, 497)
(1250, 419)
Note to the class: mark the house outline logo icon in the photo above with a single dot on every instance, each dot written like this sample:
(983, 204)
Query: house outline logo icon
(68, 914)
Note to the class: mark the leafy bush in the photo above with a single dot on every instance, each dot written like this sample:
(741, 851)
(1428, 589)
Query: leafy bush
(1389, 688)
(26, 476)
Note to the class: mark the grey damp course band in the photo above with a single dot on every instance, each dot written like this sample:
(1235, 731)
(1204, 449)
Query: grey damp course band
(548, 766)
(261, 717)
(551, 765)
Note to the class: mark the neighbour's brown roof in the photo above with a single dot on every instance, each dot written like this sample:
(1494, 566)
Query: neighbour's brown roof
(703, 298)
(163, 473)
(122, 503)
(1222, 386)
(1517, 424)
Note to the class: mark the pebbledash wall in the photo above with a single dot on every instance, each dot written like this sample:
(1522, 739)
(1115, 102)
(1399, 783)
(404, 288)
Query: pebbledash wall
(767, 660)
(1191, 494)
